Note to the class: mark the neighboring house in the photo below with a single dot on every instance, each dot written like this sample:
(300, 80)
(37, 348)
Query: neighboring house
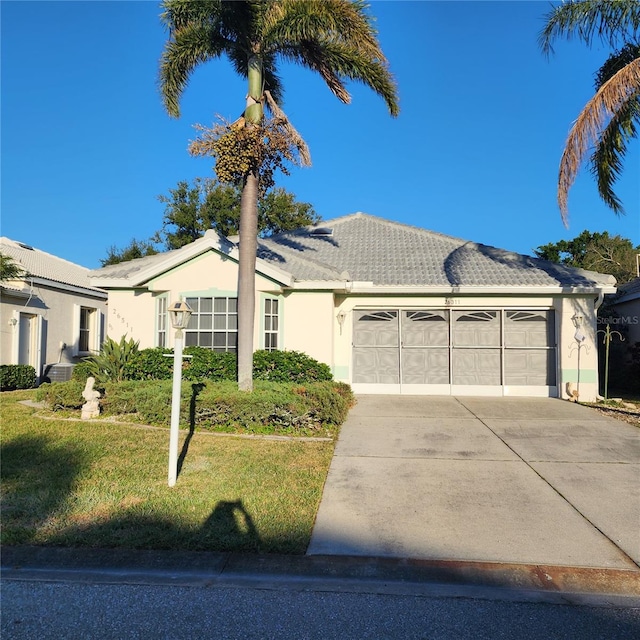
(391, 308)
(627, 306)
(51, 316)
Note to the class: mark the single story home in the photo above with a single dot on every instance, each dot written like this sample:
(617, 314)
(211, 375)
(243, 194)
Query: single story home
(50, 316)
(391, 308)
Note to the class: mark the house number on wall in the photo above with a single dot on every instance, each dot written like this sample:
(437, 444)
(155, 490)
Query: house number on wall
(451, 301)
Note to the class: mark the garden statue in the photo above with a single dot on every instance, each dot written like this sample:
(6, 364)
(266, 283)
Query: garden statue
(91, 408)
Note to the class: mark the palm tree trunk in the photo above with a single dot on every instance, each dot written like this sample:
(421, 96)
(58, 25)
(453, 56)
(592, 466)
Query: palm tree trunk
(246, 280)
(248, 241)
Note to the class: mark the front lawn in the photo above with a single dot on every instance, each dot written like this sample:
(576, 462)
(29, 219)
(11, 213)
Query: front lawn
(103, 484)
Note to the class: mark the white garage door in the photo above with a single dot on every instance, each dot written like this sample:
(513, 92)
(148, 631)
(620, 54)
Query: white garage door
(474, 351)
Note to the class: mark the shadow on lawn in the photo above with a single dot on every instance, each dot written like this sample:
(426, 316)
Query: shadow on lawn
(37, 476)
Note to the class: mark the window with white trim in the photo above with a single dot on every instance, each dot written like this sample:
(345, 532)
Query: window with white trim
(271, 324)
(161, 320)
(213, 323)
(87, 323)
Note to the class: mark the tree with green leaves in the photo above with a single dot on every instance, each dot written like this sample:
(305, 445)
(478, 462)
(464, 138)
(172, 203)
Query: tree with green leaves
(334, 38)
(135, 249)
(191, 209)
(595, 251)
(9, 269)
(609, 121)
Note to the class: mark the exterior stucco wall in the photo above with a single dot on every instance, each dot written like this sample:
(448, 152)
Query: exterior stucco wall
(309, 324)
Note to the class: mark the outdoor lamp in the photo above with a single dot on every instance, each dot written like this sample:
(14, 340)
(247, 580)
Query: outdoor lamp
(577, 319)
(179, 312)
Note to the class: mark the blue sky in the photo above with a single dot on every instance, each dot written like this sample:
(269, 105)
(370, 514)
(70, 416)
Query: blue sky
(87, 148)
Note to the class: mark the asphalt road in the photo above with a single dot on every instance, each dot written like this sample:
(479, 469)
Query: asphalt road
(78, 610)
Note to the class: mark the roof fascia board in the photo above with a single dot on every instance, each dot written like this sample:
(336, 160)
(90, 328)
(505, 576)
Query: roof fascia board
(72, 288)
(454, 291)
(190, 251)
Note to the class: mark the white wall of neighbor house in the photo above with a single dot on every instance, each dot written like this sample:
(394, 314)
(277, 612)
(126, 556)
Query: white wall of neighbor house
(569, 370)
(41, 326)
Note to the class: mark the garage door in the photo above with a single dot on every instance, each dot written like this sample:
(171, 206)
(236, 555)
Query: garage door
(477, 351)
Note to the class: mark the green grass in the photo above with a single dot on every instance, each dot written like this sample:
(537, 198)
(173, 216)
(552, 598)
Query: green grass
(99, 484)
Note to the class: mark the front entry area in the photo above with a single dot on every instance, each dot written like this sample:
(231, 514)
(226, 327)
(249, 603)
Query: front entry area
(455, 351)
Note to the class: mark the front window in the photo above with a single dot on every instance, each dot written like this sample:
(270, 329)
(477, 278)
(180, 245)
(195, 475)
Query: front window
(271, 324)
(162, 322)
(213, 323)
(86, 329)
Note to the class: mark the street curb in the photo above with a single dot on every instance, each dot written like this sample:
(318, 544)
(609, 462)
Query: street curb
(525, 582)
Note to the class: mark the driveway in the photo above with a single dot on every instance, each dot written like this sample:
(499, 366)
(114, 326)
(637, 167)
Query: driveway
(516, 480)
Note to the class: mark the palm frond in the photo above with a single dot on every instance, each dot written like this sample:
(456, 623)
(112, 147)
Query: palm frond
(610, 100)
(616, 61)
(607, 159)
(613, 22)
(337, 63)
(296, 139)
(178, 14)
(190, 46)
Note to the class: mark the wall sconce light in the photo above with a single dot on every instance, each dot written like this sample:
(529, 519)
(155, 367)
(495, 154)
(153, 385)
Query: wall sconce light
(341, 318)
(13, 322)
(577, 320)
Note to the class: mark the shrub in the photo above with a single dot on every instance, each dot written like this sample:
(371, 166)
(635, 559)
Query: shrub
(110, 365)
(62, 395)
(82, 371)
(151, 364)
(206, 364)
(288, 366)
(17, 376)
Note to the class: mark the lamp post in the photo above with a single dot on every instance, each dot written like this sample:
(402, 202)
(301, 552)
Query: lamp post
(179, 312)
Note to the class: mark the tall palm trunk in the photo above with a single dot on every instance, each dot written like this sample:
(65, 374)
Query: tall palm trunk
(249, 240)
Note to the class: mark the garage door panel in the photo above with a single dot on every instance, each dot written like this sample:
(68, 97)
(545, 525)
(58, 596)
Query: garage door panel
(530, 367)
(376, 329)
(529, 328)
(376, 365)
(476, 366)
(425, 328)
(425, 366)
(476, 329)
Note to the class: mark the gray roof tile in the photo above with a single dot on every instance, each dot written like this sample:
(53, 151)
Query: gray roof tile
(372, 249)
(40, 264)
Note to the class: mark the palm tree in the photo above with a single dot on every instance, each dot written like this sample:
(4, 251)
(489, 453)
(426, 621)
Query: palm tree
(609, 120)
(334, 38)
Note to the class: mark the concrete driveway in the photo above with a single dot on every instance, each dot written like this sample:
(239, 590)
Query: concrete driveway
(516, 480)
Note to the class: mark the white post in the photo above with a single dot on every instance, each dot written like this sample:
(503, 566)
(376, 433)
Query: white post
(175, 408)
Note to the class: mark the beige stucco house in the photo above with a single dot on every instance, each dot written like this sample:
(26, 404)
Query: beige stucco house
(389, 307)
(51, 316)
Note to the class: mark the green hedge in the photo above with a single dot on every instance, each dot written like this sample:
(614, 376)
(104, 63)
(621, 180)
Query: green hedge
(17, 376)
(316, 408)
(205, 364)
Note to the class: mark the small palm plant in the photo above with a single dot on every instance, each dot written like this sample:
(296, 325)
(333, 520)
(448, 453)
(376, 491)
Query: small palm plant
(113, 361)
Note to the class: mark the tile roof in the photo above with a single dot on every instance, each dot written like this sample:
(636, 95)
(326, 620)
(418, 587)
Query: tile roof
(365, 248)
(40, 264)
(629, 290)
(373, 249)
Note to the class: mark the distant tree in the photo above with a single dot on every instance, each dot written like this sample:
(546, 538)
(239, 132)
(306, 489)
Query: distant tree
(135, 249)
(9, 270)
(610, 119)
(600, 252)
(191, 209)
